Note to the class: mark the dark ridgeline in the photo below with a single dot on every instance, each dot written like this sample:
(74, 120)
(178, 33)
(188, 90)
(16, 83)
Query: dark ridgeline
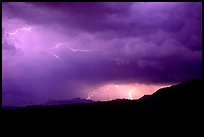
(182, 100)
(72, 101)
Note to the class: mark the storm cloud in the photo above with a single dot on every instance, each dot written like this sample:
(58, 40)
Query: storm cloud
(72, 47)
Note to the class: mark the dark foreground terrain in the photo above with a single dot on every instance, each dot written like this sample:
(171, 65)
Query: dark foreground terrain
(184, 98)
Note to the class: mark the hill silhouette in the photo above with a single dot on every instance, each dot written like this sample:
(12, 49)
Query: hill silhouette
(72, 101)
(179, 100)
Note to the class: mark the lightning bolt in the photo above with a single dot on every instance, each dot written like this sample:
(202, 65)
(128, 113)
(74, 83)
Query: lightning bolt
(28, 29)
(57, 46)
(104, 89)
(91, 94)
(55, 56)
(130, 93)
(80, 50)
(97, 91)
(14, 33)
(72, 49)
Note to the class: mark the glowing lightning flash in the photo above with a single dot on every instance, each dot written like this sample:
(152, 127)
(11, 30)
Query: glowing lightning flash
(130, 93)
(90, 94)
(14, 33)
(106, 88)
(74, 50)
(57, 46)
(80, 50)
(98, 91)
(55, 56)
(70, 48)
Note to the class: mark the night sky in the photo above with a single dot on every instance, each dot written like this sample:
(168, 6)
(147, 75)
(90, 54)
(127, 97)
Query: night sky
(97, 51)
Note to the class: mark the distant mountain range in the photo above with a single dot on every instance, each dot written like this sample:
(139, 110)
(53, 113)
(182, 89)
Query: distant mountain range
(72, 101)
(181, 98)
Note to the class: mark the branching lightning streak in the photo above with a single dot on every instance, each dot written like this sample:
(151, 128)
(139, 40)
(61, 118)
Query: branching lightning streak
(80, 50)
(57, 46)
(105, 90)
(14, 33)
(72, 49)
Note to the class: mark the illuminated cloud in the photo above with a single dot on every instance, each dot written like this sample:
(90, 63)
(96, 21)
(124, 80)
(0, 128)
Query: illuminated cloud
(54, 51)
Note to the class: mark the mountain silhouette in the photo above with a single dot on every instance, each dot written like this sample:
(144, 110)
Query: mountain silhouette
(72, 101)
(179, 100)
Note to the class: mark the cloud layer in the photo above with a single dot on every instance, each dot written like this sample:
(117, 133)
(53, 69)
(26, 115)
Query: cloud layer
(74, 46)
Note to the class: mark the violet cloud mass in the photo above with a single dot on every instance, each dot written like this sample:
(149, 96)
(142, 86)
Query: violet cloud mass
(97, 50)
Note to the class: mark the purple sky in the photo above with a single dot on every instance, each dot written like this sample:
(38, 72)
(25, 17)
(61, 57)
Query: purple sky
(58, 51)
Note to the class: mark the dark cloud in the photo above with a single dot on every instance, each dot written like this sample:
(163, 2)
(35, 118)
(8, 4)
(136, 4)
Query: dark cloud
(129, 42)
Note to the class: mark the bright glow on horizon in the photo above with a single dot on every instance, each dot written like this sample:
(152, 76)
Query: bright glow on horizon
(127, 91)
(130, 93)
(57, 53)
